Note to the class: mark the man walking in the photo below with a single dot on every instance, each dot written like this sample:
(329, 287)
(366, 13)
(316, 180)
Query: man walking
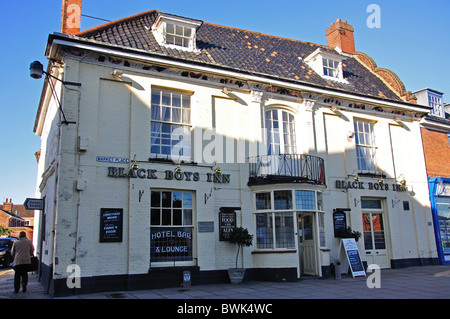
(22, 251)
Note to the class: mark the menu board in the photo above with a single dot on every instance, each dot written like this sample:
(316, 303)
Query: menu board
(227, 223)
(353, 257)
(111, 225)
(339, 223)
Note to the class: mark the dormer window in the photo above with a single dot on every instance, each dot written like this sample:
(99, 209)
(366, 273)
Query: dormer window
(331, 68)
(327, 64)
(177, 32)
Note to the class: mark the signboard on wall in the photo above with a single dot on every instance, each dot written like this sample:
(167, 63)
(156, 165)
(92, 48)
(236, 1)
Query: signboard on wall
(227, 223)
(339, 223)
(111, 225)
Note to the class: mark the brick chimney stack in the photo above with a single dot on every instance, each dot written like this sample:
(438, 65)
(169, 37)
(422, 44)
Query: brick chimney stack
(8, 205)
(70, 16)
(340, 34)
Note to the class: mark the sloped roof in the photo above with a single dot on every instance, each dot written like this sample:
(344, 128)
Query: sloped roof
(244, 50)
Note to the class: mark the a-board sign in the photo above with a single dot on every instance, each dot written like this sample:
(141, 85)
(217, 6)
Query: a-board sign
(339, 223)
(227, 223)
(111, 225)
(354, 259)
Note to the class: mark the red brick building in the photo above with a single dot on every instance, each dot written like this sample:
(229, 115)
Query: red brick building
(435, 131)
(16, 218)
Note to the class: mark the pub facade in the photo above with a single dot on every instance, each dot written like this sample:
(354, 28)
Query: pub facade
(168, 132)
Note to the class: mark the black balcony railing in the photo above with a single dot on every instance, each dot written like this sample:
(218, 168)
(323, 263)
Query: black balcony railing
(286, 168)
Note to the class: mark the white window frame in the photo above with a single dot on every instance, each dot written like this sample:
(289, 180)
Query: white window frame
(172, 132)
(281, 138)
(175, 228)
(163, 33)
(331, 68)
(316, 61)
(365, 146)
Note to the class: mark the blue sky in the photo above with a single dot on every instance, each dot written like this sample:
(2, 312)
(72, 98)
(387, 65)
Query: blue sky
(413, 41)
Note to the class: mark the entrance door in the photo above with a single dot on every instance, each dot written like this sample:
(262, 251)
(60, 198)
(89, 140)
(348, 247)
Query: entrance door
(374, 234)
(306, 244)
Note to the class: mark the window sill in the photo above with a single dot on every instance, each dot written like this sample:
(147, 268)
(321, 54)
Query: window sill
(275, 251)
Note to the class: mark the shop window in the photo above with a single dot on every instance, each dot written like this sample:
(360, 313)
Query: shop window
(365, 146)
(170, 124)
(275, 227)
(171, 226)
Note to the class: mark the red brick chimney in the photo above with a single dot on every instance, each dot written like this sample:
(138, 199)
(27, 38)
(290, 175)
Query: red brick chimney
(8, 205)
(340, 34)
(70, 16)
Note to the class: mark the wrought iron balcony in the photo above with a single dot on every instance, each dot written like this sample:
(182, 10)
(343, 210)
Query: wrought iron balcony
(286, 168)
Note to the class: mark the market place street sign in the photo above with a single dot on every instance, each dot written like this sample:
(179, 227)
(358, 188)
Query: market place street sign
(34, 204)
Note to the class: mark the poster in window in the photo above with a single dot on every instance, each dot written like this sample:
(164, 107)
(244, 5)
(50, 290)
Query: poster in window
(111, 225)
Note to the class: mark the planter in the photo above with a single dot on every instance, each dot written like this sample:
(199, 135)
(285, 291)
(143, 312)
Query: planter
(236, 275)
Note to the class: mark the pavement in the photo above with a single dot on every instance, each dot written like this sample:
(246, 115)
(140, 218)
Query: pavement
(422, 282)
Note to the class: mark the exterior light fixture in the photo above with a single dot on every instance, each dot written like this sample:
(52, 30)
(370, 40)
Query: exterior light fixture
(37, 70)
(134, 164)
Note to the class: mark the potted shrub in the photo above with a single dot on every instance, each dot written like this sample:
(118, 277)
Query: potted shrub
(240, 237)
(349, 233)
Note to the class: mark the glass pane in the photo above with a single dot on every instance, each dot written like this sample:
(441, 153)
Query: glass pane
(155, 199)
(283, 199)
(264, 231)
(176, 199)
(166, 199)
(187, 200)
(170, 28)
(156, 112)
(176, 115)
(371, 203)
(284, 231)
(304, 200)
(187, 217)
(155, 217)
(263, 201)
(187, 32)
(177, 217)
(166, 217)
(179, 30)
(176, 99)
(165, 98)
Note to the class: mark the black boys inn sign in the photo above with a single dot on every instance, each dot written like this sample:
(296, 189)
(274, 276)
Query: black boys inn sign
(121, 172)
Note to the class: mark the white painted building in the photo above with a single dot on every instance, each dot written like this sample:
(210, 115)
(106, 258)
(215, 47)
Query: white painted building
(178, 123)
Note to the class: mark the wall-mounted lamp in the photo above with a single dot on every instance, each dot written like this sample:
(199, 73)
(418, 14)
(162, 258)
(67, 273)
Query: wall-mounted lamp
(401, 181)
(178, 169)
(134, 164)
(218, 170)
(225, 91)
(117, 73)
(355, 177)
(36, 72)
